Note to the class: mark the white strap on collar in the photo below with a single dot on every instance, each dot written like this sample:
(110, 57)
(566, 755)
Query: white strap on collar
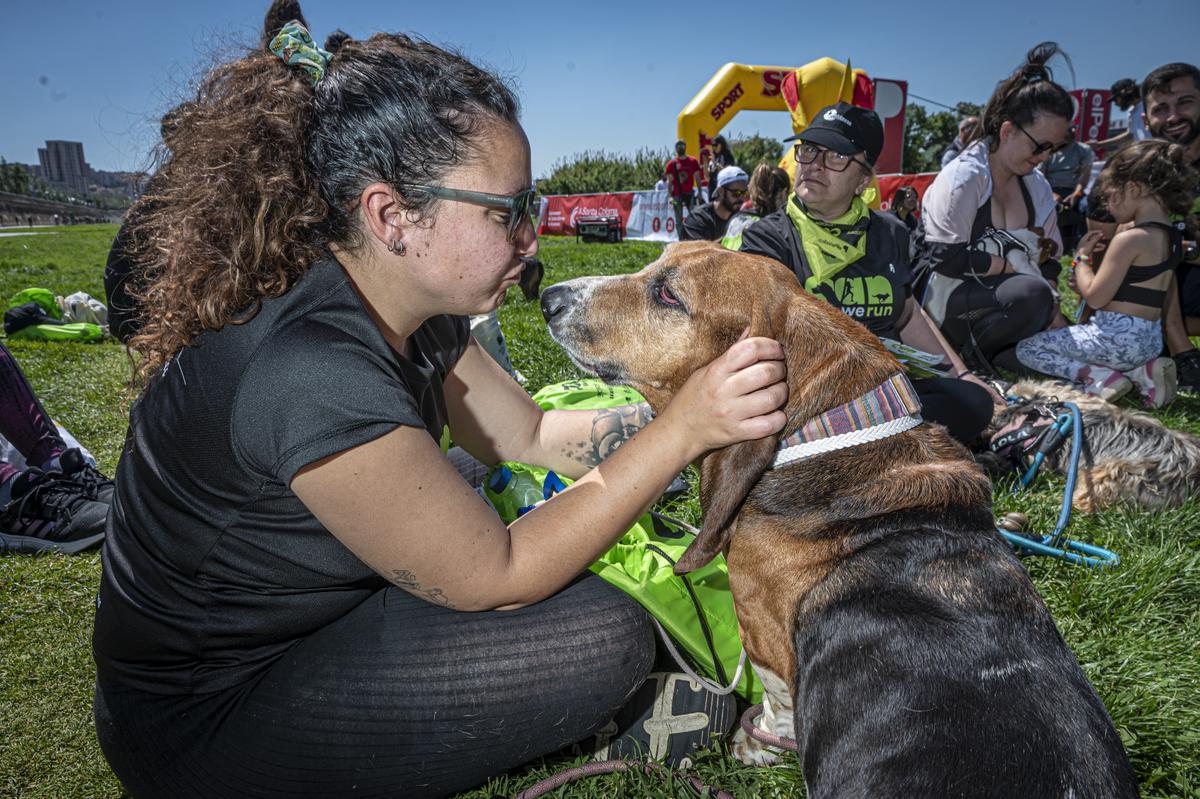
(852, 439)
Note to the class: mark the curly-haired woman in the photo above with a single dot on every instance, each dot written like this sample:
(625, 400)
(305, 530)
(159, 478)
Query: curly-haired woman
(301, 595)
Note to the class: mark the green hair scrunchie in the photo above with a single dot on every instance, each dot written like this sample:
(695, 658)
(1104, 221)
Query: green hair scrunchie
(296, 48)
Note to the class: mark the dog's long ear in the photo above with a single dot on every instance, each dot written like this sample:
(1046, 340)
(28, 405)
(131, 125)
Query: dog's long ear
(728, 475)
(726, 478)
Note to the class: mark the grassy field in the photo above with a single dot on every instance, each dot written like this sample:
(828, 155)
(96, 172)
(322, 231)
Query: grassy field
(1134, 629)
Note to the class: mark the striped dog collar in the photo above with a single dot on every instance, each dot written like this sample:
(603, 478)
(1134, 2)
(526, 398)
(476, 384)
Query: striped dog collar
(886, 410)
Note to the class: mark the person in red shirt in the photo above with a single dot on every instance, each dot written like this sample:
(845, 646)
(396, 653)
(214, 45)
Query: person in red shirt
(682, 172)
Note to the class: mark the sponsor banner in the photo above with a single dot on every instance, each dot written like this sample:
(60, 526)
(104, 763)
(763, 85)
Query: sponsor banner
(559, 211)
(645, 215)
(891, 104)
(1092, 111)
(889, 183)
(652, 217)
(649, 216)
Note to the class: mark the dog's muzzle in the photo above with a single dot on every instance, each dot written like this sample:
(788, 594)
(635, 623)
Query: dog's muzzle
(564, 307)
(556, 300)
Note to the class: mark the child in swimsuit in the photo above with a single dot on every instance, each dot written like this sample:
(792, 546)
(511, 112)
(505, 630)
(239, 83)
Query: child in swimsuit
(1119, 346)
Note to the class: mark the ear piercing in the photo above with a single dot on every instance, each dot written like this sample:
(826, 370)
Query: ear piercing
(396, 246)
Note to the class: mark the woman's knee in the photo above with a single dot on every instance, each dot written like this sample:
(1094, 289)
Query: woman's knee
(1027, 298)
(964, 408)
(626, 632)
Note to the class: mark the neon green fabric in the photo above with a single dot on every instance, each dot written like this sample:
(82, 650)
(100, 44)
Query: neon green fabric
(641, 562)
(733, 234)
(830, 246)
(75, 331)
(43, 297)
(585, 394)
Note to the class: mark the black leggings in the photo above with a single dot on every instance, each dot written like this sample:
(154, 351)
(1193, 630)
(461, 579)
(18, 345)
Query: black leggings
(997, 311)
(397, 698)
(964, 408)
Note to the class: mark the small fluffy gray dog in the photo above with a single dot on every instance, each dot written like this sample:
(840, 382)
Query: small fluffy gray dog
(1128, 456)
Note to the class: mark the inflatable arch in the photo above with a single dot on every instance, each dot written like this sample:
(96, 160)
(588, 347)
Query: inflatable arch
(801, 92)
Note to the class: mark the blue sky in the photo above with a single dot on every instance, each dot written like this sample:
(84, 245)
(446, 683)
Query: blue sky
(591, 75)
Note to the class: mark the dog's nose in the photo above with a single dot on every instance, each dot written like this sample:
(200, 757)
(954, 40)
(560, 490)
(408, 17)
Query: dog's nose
(555, 300)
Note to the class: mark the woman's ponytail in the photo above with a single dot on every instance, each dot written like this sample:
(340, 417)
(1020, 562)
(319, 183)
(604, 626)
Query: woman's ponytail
(1029, 90)
(265, 166)
(232, 214)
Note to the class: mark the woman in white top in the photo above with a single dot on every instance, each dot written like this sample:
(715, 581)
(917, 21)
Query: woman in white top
(988, 222)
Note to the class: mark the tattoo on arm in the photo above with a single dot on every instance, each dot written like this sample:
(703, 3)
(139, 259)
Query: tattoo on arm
(408, 581)
(611, 427)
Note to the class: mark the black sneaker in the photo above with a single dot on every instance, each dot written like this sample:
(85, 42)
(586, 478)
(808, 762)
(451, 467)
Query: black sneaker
(51, 513)
(667, 719)
(1187, 371)
(76, 468)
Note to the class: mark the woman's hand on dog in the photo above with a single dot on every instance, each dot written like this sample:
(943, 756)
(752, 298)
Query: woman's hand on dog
(737, 397)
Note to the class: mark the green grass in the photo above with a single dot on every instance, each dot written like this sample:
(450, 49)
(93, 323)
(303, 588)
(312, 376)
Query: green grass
(1133, 628)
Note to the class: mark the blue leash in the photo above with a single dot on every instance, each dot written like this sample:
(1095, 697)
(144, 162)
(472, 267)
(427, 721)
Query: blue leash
(1057, 545)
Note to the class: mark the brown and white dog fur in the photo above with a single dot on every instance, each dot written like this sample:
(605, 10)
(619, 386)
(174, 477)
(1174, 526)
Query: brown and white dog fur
(900, 642)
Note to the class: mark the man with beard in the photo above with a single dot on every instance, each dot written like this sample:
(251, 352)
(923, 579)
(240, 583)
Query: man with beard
(1171, 95)
(708, 222)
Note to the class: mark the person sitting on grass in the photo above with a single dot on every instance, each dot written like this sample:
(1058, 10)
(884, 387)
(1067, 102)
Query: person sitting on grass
(301, 595)
(857, 259)
(769, 189)
(986, 287)
(1119, 346)
(1172, 98)
(709, 221)
(56, 501)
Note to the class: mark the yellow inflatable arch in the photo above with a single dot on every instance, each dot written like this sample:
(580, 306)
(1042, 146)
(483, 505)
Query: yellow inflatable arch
(800, 91)
(740, 87)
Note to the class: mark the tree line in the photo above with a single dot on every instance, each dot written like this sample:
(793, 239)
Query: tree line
(926, 136)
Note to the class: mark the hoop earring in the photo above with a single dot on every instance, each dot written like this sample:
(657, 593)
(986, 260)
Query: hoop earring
(396, 246)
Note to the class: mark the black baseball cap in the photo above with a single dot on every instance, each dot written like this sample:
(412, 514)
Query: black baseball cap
(846, 129)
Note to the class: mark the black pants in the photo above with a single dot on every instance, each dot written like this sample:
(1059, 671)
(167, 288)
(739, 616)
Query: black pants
(964, 408)
(1187, 281)
(991, 314)
(398, 698)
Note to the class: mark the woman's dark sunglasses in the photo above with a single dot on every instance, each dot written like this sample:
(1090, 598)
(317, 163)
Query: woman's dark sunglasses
(1039, 147)
(519, 205)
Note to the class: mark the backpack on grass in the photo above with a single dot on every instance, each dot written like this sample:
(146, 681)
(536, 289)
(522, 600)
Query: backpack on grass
(34, 315)
(695, 609)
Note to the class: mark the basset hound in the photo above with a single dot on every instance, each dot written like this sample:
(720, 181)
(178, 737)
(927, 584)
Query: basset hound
(901, 642)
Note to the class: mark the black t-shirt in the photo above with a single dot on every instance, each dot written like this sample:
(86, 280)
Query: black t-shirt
(872, 290)
(909, 221)
(703, 224)
(212, 566)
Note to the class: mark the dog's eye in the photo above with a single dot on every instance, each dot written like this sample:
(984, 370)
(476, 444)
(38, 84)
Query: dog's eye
(664, 295)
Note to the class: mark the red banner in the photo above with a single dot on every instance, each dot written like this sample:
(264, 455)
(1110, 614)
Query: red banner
(1092, 107)
(891, 104)
(889, 183)
(561, 211)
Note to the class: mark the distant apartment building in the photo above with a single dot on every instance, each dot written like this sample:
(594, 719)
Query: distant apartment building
(63, 165)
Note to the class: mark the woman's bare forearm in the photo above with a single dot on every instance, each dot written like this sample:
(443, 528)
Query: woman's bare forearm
(573, 442)
(551, 544)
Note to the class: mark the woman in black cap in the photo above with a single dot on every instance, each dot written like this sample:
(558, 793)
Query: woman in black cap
(857, 259)
(988, 222)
